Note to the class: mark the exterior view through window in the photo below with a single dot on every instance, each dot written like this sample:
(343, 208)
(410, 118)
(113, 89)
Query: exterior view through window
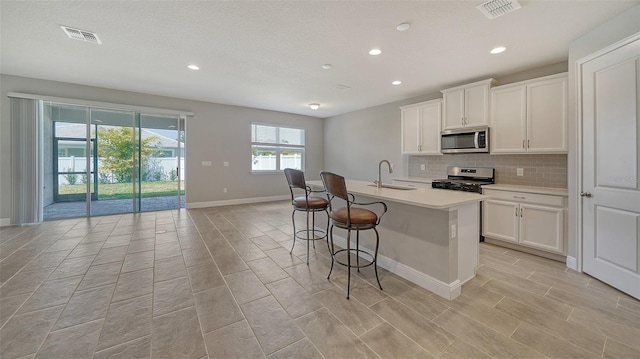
(274, 148)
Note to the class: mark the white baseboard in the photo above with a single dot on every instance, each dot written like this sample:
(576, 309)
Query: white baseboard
(5, 222)
(572, 263)
(230, 202)
(446, 290)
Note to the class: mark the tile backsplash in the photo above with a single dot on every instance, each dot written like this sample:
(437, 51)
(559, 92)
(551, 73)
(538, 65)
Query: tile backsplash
(539, 170)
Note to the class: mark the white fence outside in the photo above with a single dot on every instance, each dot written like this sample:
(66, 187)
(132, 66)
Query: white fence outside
(79, 164)
(268, 162)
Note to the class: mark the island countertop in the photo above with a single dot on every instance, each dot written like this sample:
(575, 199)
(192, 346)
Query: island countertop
(433, 198)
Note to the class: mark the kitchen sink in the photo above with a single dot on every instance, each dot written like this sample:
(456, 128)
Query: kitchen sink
(394, 186)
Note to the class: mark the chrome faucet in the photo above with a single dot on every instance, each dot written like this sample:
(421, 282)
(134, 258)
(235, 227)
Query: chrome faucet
(379, 183)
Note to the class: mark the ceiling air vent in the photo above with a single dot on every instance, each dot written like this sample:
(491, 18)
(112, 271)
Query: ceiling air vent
(494, 8)
(83, 35)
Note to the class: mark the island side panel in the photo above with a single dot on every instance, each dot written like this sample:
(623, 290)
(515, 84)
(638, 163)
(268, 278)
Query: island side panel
(468, 238)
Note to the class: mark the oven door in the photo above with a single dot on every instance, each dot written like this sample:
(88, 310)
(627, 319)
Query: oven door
(465, 140)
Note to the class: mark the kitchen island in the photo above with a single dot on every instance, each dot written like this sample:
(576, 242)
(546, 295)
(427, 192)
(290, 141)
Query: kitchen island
(428, 236)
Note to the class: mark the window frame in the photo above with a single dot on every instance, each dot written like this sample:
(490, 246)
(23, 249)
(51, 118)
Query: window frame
(277, 147)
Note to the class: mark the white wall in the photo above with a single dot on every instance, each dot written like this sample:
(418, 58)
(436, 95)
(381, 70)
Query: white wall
(217, 133)
(612, 31)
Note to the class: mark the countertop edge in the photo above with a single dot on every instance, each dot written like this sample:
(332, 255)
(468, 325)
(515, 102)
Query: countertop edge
(352, 187)
(528, 189)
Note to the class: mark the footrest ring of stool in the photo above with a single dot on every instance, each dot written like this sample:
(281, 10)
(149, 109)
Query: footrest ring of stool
(312, 232)
(355, 251)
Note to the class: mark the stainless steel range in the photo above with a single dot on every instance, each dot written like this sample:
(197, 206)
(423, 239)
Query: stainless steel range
(468, 179)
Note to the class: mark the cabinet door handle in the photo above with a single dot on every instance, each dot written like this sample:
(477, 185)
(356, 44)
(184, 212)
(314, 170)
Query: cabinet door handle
(528, 143)
(519, 197)
(521, 211)
(523, 144)
(516, 211)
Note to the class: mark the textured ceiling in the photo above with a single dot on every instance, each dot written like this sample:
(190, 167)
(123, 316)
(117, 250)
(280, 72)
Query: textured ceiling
(269, 54)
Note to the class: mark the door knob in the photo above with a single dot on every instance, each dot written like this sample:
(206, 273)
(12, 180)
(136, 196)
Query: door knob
(585, 194)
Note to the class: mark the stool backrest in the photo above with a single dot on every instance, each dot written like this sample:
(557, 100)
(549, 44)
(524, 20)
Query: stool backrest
(335, 185)
(295, 178)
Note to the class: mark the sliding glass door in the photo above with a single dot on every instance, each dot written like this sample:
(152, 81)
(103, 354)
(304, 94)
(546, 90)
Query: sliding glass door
(160, 160)
(108, 161)
(113, 134)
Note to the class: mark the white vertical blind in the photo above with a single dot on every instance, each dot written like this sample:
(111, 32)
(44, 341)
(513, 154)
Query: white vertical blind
(25, 161)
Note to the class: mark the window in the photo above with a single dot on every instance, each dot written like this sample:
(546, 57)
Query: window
(276, 148)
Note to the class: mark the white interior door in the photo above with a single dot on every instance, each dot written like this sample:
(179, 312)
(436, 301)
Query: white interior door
(611, 162)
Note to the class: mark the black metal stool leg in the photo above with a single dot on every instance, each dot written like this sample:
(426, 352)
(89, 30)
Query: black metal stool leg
(308, 239)
(375, 258)
(293, 220)
(348, 262)
(331, 250)
(313, 228)
(327, 232)
(358, 250)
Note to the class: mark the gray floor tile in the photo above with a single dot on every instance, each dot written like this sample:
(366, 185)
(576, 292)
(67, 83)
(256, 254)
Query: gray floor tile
(125, 321)
(233, 341)
(75, 342)
(177, 335)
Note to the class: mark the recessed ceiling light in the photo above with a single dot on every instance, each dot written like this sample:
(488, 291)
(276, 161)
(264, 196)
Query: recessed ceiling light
(375, 52)
(403, 27)
(498, 50)
(327, 66)
(314, 106)
(397, 82)
(193, 67)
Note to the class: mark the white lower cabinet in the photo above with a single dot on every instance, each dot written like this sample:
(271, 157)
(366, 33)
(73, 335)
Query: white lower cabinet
(527, 219)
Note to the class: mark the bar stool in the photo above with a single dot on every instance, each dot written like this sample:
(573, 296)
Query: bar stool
(307, 204)
(351, 218)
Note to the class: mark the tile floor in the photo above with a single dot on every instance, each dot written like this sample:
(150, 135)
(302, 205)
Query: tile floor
(220, 283)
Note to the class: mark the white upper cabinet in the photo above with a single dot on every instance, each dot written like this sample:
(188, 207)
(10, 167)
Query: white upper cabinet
(421, 128)
(466, 105)
(530, 116)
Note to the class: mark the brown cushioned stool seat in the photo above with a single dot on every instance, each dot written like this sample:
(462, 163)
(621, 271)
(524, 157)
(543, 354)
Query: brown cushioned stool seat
(303, 202)
(358, 216)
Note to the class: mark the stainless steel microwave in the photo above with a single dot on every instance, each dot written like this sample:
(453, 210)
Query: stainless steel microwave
(465, 140)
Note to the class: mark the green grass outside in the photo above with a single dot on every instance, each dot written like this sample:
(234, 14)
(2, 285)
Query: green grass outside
(124, 190)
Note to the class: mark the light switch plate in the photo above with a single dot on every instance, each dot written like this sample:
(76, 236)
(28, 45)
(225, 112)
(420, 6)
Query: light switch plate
(520, 171)
(423, 167)
(206, 163)
(225, 163)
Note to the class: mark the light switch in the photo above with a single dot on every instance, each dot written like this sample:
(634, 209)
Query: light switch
(520, 171)
(225, 163)
(206, 163)
(423, 167)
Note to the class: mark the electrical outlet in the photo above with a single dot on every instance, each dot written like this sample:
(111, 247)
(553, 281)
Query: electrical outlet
(225, 163)
(520, 171)
(454, 231)
(423, 167)
(224, 190)
(206, 163)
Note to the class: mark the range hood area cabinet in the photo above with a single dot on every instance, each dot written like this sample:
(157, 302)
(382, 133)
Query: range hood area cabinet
(421, 128)
(530, 116)
(467, 105)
